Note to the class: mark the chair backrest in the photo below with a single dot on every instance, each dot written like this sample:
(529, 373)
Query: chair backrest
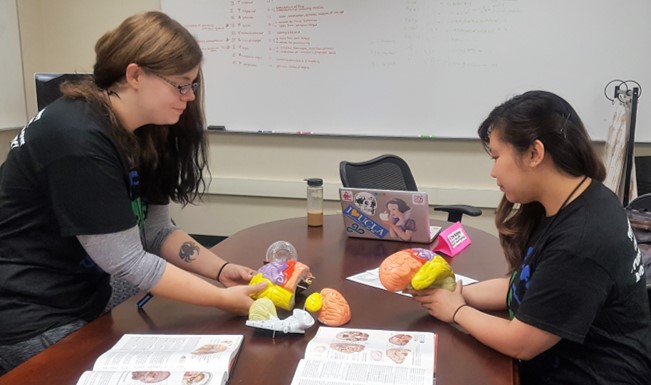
(47, 86)
(641, 203)
(387, 172)
(391, 172)
(643, 174)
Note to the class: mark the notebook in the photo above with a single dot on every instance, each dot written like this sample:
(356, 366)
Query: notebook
(387, 214)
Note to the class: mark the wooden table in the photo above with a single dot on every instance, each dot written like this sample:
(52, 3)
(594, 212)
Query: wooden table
(264, 360)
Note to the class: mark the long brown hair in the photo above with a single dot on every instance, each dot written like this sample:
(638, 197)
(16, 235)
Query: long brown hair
(544, 116)
(170, 159)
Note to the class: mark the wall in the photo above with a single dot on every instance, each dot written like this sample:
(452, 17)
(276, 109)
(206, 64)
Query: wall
(256, 178)
(274, 166)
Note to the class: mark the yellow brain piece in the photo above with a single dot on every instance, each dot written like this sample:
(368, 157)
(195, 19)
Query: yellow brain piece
(313, 302)
(434, 273)
(262, 309)
(281, 297)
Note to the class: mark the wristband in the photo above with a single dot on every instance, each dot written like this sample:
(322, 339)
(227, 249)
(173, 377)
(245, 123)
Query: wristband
(456, 311)
(222, 269)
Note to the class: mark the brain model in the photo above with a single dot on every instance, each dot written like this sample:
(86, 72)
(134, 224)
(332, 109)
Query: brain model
(416, 268)
(331, 307)
(284, 277)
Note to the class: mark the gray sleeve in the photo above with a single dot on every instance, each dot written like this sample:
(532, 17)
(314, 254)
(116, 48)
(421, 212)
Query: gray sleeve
(157, 227)
(121, 254)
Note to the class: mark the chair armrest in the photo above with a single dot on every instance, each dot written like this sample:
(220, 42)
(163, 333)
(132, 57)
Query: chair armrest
(455, 212)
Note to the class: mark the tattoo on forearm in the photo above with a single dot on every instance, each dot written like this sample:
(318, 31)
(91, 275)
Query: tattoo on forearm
(189, 251)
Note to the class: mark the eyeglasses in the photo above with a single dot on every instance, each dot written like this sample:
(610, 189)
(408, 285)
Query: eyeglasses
(182, 88)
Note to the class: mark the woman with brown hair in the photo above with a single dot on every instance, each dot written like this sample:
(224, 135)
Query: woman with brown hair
(85, 189)
(576, 294)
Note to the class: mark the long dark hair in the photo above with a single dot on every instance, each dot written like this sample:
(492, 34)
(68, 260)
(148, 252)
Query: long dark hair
(171, 159)
(544, 116)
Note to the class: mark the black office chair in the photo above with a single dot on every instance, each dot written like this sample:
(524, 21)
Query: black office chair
(643, 174)
(639, 215)
(642, 203)
(390, 172)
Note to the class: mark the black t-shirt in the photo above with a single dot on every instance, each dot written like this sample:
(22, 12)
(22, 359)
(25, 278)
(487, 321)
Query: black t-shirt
(63, 177)
(582, 279)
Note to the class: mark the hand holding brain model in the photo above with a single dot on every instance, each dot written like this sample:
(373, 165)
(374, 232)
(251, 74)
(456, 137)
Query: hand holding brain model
(284, 274)
(416, 269)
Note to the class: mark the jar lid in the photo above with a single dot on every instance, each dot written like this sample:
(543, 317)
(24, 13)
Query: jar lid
(314, 182)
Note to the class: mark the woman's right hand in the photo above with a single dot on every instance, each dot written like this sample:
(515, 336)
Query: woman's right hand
(237, 299)
(440, 303)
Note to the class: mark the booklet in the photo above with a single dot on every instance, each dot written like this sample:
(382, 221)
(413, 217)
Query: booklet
(166, 359)
(364, 356)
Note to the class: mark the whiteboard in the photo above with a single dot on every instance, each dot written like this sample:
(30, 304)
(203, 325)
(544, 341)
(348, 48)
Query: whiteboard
(411, 67)
(13, 111)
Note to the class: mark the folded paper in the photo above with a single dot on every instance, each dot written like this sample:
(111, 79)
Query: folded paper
(452, 240)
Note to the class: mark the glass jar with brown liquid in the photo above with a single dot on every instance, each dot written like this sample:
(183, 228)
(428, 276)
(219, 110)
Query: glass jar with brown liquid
(314, 202)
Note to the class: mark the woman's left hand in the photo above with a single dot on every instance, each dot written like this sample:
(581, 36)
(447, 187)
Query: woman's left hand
(234, 274)
(440, 303)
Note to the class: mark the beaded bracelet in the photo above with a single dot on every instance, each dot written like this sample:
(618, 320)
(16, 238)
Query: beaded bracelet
(456, 311)
(220, 271)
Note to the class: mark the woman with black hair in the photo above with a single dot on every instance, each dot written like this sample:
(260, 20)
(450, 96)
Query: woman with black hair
(576, 294)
